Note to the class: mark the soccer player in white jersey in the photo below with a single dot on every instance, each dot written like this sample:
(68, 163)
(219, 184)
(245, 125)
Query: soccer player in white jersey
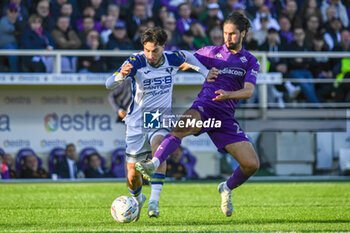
(152, 74)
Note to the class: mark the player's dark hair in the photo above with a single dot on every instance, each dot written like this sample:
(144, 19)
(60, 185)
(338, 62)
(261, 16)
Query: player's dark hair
(69, 145)
(239, 20)
(155, 35)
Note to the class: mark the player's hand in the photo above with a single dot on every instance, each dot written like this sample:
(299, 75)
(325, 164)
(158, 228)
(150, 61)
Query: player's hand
(126, 69)
(122, 113)
(212, 75)
(221, 95)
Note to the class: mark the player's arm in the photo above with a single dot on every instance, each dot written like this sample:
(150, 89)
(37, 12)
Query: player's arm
(192, 62)
(245, 93)
(128, 69)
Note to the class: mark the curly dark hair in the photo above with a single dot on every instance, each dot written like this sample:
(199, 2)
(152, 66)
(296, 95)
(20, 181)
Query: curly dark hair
(241, 22)
(155, 35)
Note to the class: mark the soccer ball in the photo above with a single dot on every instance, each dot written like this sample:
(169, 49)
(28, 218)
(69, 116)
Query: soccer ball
(124, 209)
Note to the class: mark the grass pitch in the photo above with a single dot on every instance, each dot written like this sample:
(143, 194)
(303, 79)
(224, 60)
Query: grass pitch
(184, 207)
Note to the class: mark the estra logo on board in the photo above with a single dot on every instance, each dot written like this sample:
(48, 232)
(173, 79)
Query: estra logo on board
(77, 122)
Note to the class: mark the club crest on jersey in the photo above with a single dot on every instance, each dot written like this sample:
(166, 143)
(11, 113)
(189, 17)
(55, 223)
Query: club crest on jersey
(170, 70)
(218, 55)
(243, 59)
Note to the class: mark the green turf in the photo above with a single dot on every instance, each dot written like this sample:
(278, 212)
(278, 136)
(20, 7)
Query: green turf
(85, 207)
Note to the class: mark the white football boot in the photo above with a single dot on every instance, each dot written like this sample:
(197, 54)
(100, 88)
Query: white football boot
(226, 203)
(140, 204)
(153, 210)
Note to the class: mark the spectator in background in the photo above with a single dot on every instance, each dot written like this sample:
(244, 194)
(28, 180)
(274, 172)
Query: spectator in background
(31, 170)
(100, 10)
(120, 99)
(200, 37)
(91, 64)
(109, 25)
(309, 8)
(264, 13)
(340, 9)
(170, 25)
(95, 170)
(114, 10)
(286, 33)
(7, 34)
(136, 41)
(216, 37)
(36, 37)
(169, 45)
(8, 160)
(88, 12)
(67, 10)
(312, 29)
(321, 67)
(260, 35)
(56, 5)
(68, 168)
(253, 10)
(174, 167)
(43, 10)
(22, 16)
(162, 15)
(66, 38)
(291, 12)
(330, 14)
(184, 21)
(135, 19)
(299, 67)
(118, 40)
(88, 25)
(4, 170)
(213, 11)
(187, 41)
(276, 64)
(342, 68)
(249, 42)
(332, 36)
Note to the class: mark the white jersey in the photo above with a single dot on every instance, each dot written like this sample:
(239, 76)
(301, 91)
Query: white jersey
(152, 87)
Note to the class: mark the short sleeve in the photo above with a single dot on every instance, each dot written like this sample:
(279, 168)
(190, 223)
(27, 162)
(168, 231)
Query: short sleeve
(176, 58)
(202, 56)
(252, 71)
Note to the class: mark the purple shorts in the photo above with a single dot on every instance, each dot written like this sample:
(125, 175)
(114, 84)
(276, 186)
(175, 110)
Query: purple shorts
(229, 132)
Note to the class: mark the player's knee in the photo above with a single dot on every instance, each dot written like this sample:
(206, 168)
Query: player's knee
(253, 166)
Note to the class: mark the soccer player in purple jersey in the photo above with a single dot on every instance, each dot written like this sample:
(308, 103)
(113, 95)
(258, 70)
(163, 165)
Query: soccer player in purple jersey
(237, 69)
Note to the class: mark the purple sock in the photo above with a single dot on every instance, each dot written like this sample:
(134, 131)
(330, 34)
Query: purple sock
(169, 144)
(237, 178)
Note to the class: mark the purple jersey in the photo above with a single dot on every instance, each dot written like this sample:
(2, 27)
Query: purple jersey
(234, 71)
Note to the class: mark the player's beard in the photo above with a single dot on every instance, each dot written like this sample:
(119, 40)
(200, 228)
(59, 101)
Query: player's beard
(234, 46)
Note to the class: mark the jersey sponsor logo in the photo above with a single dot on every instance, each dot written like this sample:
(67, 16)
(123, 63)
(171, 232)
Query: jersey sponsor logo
(233, 71)
(218, 55)
(243, 59)
(132, 58)
(147, 71)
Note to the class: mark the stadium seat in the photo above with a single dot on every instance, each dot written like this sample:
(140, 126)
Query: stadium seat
(118, 163)
(84, 154)
(56, 155)
(20, 158)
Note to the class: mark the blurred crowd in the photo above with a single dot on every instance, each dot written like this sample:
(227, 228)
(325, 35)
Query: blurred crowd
(66, 163)
(277, 25)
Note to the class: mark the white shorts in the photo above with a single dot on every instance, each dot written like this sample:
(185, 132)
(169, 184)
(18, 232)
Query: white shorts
(139, 144)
